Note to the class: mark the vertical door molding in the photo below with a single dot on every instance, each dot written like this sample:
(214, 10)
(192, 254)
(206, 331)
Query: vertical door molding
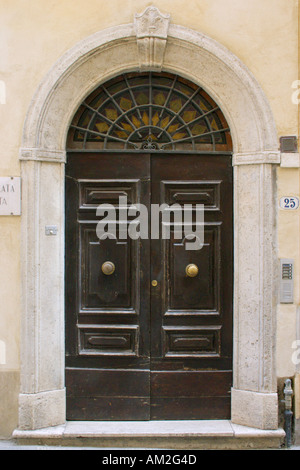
(89, 63)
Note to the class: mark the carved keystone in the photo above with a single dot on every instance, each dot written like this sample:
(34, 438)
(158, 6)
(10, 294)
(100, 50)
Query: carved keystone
(151, 28)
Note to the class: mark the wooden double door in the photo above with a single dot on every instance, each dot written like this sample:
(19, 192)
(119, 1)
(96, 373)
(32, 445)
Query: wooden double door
(145, 337)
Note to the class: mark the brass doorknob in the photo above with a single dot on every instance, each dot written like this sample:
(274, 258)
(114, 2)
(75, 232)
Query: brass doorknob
(108, 268)
(191, 270)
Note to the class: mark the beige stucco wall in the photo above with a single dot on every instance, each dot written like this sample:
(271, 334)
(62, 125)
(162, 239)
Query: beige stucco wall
(36, 33)
(288, 240)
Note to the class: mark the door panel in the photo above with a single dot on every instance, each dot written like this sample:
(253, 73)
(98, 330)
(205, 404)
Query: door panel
(200, 293)
(191, 317)
(133, 350)
(97, 289)
(107, 319)
(99, 394)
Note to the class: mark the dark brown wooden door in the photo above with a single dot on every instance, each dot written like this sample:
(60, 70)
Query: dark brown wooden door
(137, 351)
(191, 317)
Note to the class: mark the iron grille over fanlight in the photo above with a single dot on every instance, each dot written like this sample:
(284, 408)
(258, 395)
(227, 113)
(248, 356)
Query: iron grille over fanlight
(149, 111)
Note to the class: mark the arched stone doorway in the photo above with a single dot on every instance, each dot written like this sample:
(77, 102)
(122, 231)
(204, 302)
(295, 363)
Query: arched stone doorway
(93, 61)
(156, 140)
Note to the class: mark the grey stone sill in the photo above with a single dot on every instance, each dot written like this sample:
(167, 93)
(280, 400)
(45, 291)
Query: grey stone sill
(95, 429)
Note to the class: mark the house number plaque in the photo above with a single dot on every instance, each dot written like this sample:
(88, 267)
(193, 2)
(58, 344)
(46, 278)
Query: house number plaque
(10, 195)
(289, 203)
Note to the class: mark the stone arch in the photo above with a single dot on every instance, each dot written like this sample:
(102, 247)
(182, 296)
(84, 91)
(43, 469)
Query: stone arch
(81, 69)
(143, 45)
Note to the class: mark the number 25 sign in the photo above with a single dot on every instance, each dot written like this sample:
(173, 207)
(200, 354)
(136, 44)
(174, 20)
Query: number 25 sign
(289, 203)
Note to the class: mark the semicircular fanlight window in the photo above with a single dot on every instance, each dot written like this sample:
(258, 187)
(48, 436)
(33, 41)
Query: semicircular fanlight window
(152, 111)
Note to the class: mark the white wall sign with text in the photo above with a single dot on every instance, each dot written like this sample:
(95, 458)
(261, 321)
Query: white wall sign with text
(10, 195)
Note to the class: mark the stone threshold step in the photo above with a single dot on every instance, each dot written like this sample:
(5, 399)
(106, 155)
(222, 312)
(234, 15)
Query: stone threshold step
(222, 434)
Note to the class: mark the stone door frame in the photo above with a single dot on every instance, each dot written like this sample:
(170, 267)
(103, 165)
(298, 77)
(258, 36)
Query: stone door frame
(151, 42)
